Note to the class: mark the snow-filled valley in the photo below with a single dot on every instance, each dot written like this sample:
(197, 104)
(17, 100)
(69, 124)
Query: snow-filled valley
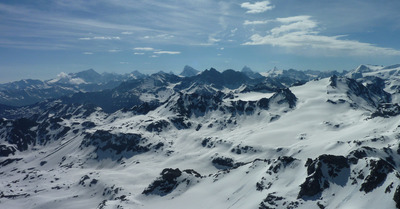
(209, 140)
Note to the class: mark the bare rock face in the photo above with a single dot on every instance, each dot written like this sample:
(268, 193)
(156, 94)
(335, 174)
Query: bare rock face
(169, 180)
(318, 180)
(379, 171)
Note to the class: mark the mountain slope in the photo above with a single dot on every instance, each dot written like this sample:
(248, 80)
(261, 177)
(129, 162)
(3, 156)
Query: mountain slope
(317, 145)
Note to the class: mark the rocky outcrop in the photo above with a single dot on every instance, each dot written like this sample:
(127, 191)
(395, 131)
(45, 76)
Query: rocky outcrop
(321, 172)
(109, 145)
(170, 179)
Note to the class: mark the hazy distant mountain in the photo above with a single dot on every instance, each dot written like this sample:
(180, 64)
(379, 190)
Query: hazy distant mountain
(189, 71)
(26, 92)
(251, 74)
(297, 77)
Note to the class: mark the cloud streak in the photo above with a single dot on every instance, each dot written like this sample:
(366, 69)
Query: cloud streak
(167, 52)
(143, 49)
(256, 22)
(101, 38)
(301, 32)
(257, 7)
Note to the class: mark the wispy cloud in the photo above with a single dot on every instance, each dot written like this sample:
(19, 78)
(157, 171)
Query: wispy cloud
(160, 36)
(257, 7)
(127, 33)
(88, 53)
(301, 32)
(138, 53)
(167, 52)
(296, 23)
(143, 49)
(255, 22)
(101, 38)
(114, 50)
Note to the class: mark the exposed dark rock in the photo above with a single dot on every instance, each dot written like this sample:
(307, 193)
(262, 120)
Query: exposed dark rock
(18, 132)
(386, 110)
(164, 184)
(355, 155)
(88, 124)
(145, 107)
(317, 180)
(284, 96)
(206, 142)
(157, 126)
(158, 145)
(83, 179)
(243, 149)
(169, 180)
(396, 197)
(5, 150)
(9, 161)
(379, 171)
(373, 93)
(180, 123)
(223, 163)
(115, 144)
(271, 201)
(282, 161)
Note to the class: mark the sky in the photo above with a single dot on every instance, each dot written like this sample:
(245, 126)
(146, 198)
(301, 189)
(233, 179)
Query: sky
(42, 38)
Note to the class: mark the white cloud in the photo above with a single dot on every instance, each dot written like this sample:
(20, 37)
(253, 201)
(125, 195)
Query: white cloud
(297, 23)
(212, 40)
(101, 38)
(106, 38)
(114, 50)
(293, 19)
(126, 33)
(138, 53)
(300, 32)
(143, 49)
(88, 53)
(257, 7)
(63, 75)
(167, 52)
(160, 36)
(256, 22)
(153, 56)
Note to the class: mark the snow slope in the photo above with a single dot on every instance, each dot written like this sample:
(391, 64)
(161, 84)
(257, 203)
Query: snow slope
(311, 146)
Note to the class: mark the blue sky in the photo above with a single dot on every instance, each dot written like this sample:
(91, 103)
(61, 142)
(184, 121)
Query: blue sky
(42, 38)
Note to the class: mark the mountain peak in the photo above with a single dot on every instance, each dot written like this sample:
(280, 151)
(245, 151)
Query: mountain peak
(89, 75)
(188, 71)
(250, 73)
(246, 69)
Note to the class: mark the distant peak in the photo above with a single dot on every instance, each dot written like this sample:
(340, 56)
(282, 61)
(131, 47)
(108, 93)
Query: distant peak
(90, 70)
(246, 69)
(392, 66)
(363, 69)
(188, 71)
(212, 70)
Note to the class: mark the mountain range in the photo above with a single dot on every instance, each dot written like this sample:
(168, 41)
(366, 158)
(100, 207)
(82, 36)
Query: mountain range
(210, 139)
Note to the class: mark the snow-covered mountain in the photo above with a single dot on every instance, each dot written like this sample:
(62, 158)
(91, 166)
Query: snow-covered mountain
(29, 91)
(213, 140)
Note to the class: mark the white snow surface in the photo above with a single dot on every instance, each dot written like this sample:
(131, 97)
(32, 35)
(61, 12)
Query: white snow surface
(313, 128)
